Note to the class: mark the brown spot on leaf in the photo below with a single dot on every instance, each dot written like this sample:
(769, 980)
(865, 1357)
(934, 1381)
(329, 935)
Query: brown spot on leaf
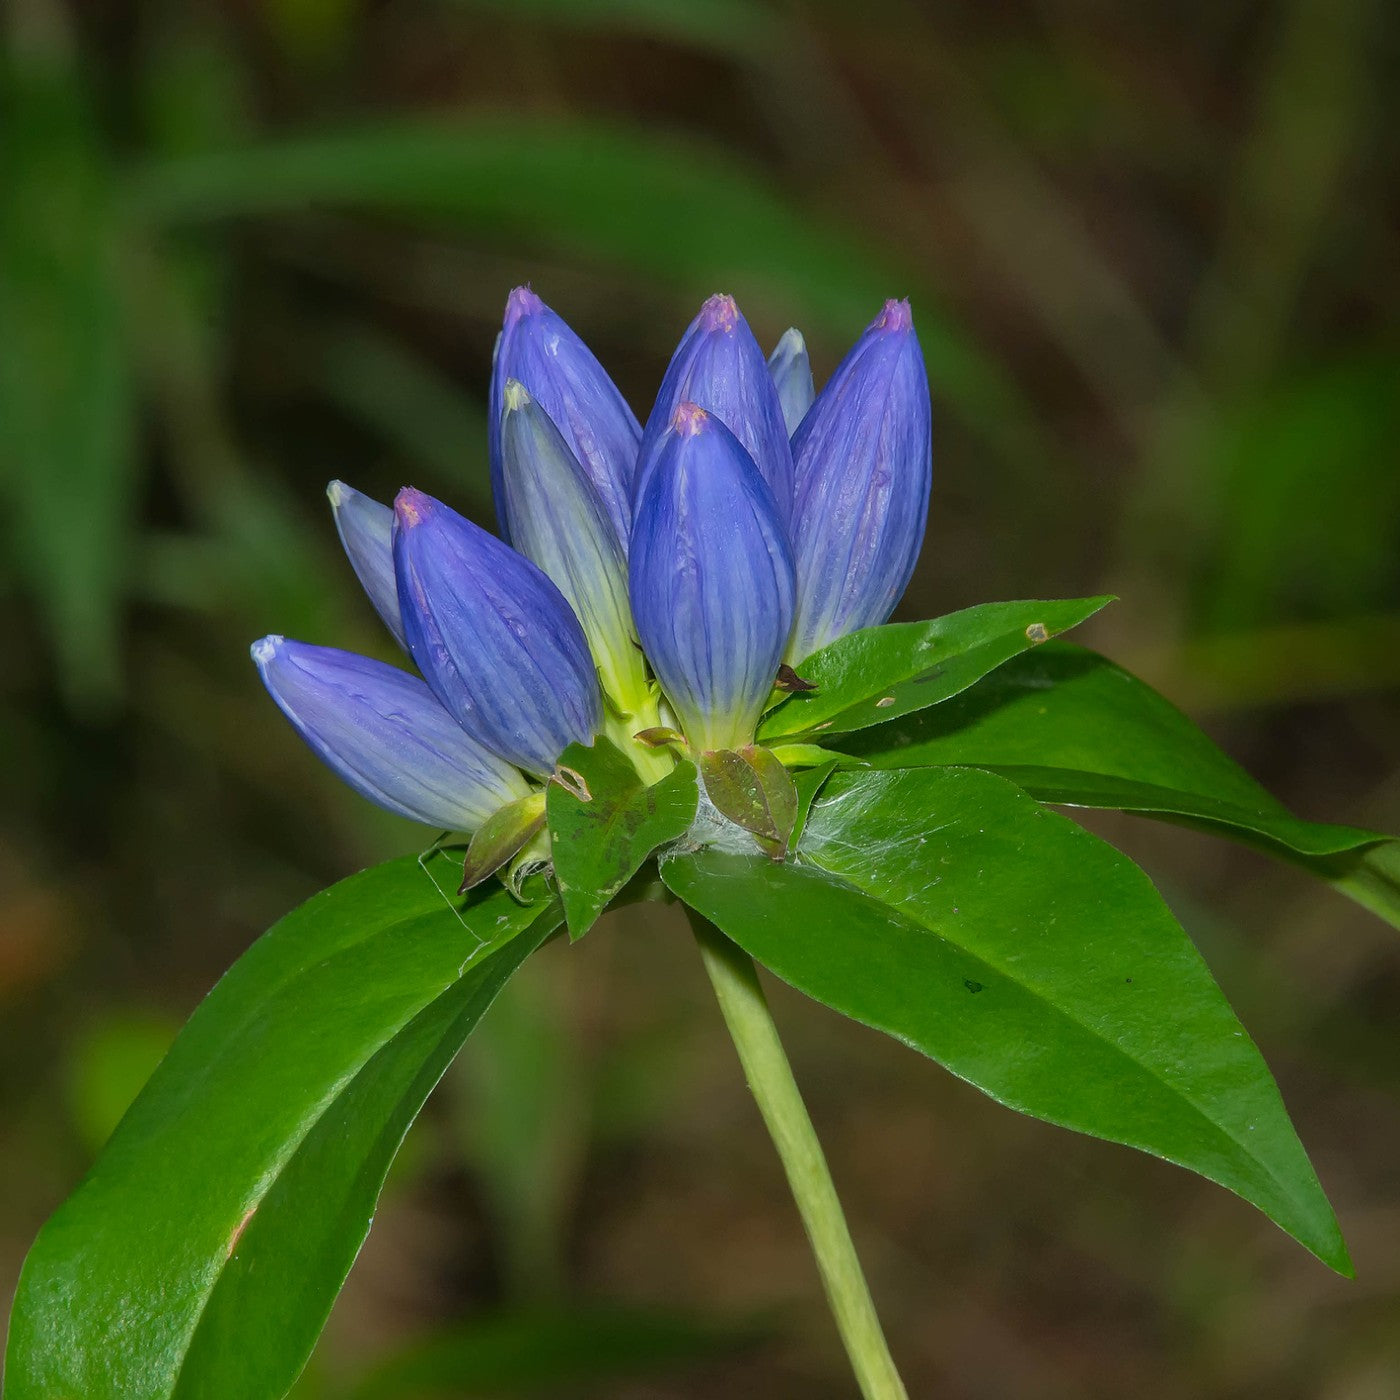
(1037, 632)
(239, 1229)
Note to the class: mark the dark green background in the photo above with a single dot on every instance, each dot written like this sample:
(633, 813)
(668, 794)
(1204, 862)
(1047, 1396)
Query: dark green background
(248, 247)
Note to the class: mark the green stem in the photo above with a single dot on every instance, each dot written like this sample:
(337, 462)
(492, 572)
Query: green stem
(766, 1067)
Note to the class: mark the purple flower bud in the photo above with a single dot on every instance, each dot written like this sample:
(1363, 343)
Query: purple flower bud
(564, 377)
(366, 530)
(864, 462)
(719, 366)
(792, 377)
(493, 637)
(558, 522)
(381, 731)
(711, 580)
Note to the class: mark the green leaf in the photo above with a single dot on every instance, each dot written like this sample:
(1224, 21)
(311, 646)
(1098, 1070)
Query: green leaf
(880, 673)
(548, 1351)
(950, 910)
(202, 1253)
(808, 784)
(1070, 727)
(751, 787)
(500, 838)
(602, 833)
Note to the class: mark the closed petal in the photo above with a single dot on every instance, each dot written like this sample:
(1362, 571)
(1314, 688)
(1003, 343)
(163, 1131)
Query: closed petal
(537, 348)
(711, 580)
(719, 367)
(558, 521)
(792, 377)
(494, 638)
(864, 460)
(383, 732)
(366, 529)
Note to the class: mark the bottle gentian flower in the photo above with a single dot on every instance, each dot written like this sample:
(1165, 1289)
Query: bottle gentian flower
(366, 529)
(719, 367)
(496, 641)
(538, 349)
(557, 520)
(384, 733)
(745, 550)
(711, 580)
(863, 458)
(792, 377)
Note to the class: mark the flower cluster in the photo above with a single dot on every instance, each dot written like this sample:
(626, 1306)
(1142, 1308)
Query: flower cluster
(644, 578)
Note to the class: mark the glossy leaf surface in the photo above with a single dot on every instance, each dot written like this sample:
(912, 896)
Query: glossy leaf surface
(881, 673)
(601, 835)
(1070, 727)
(950, 910)
(202, 1253)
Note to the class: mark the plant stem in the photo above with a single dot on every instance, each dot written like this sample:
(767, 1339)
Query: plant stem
(766, 1067)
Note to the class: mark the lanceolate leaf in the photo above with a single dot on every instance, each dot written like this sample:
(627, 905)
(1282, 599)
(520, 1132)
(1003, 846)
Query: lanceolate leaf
(950, 910)
(601, 834)
(202, 1253)
(881, 673)
(1070, 727)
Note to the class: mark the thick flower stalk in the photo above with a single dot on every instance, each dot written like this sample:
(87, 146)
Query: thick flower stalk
(647, 586)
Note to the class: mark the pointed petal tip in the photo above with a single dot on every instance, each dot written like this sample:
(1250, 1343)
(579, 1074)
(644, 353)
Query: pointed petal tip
(719, 313)
(689, 419)
(265, 649)
(336, 492)
(412, 506)
(791, 342)
(522, 302)
(896, 315)
(515, 396)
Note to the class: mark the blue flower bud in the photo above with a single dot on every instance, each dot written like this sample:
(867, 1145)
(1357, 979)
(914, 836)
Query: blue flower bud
(564, 377)
(494, 638)
(557, 521)
(381, 731)
(792, 376)
(864, 462)
(719, 367)
(711, 580)
(366, 530)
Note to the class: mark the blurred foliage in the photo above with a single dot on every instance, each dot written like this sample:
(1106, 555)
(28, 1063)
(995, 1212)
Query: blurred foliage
(248, 248)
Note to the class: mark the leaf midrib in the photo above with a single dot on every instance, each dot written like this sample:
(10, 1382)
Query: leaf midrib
(282, 1160)
(917, 925)
(1262, 823)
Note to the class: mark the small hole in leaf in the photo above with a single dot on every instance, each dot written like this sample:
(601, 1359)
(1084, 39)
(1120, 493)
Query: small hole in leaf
(573, 782)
